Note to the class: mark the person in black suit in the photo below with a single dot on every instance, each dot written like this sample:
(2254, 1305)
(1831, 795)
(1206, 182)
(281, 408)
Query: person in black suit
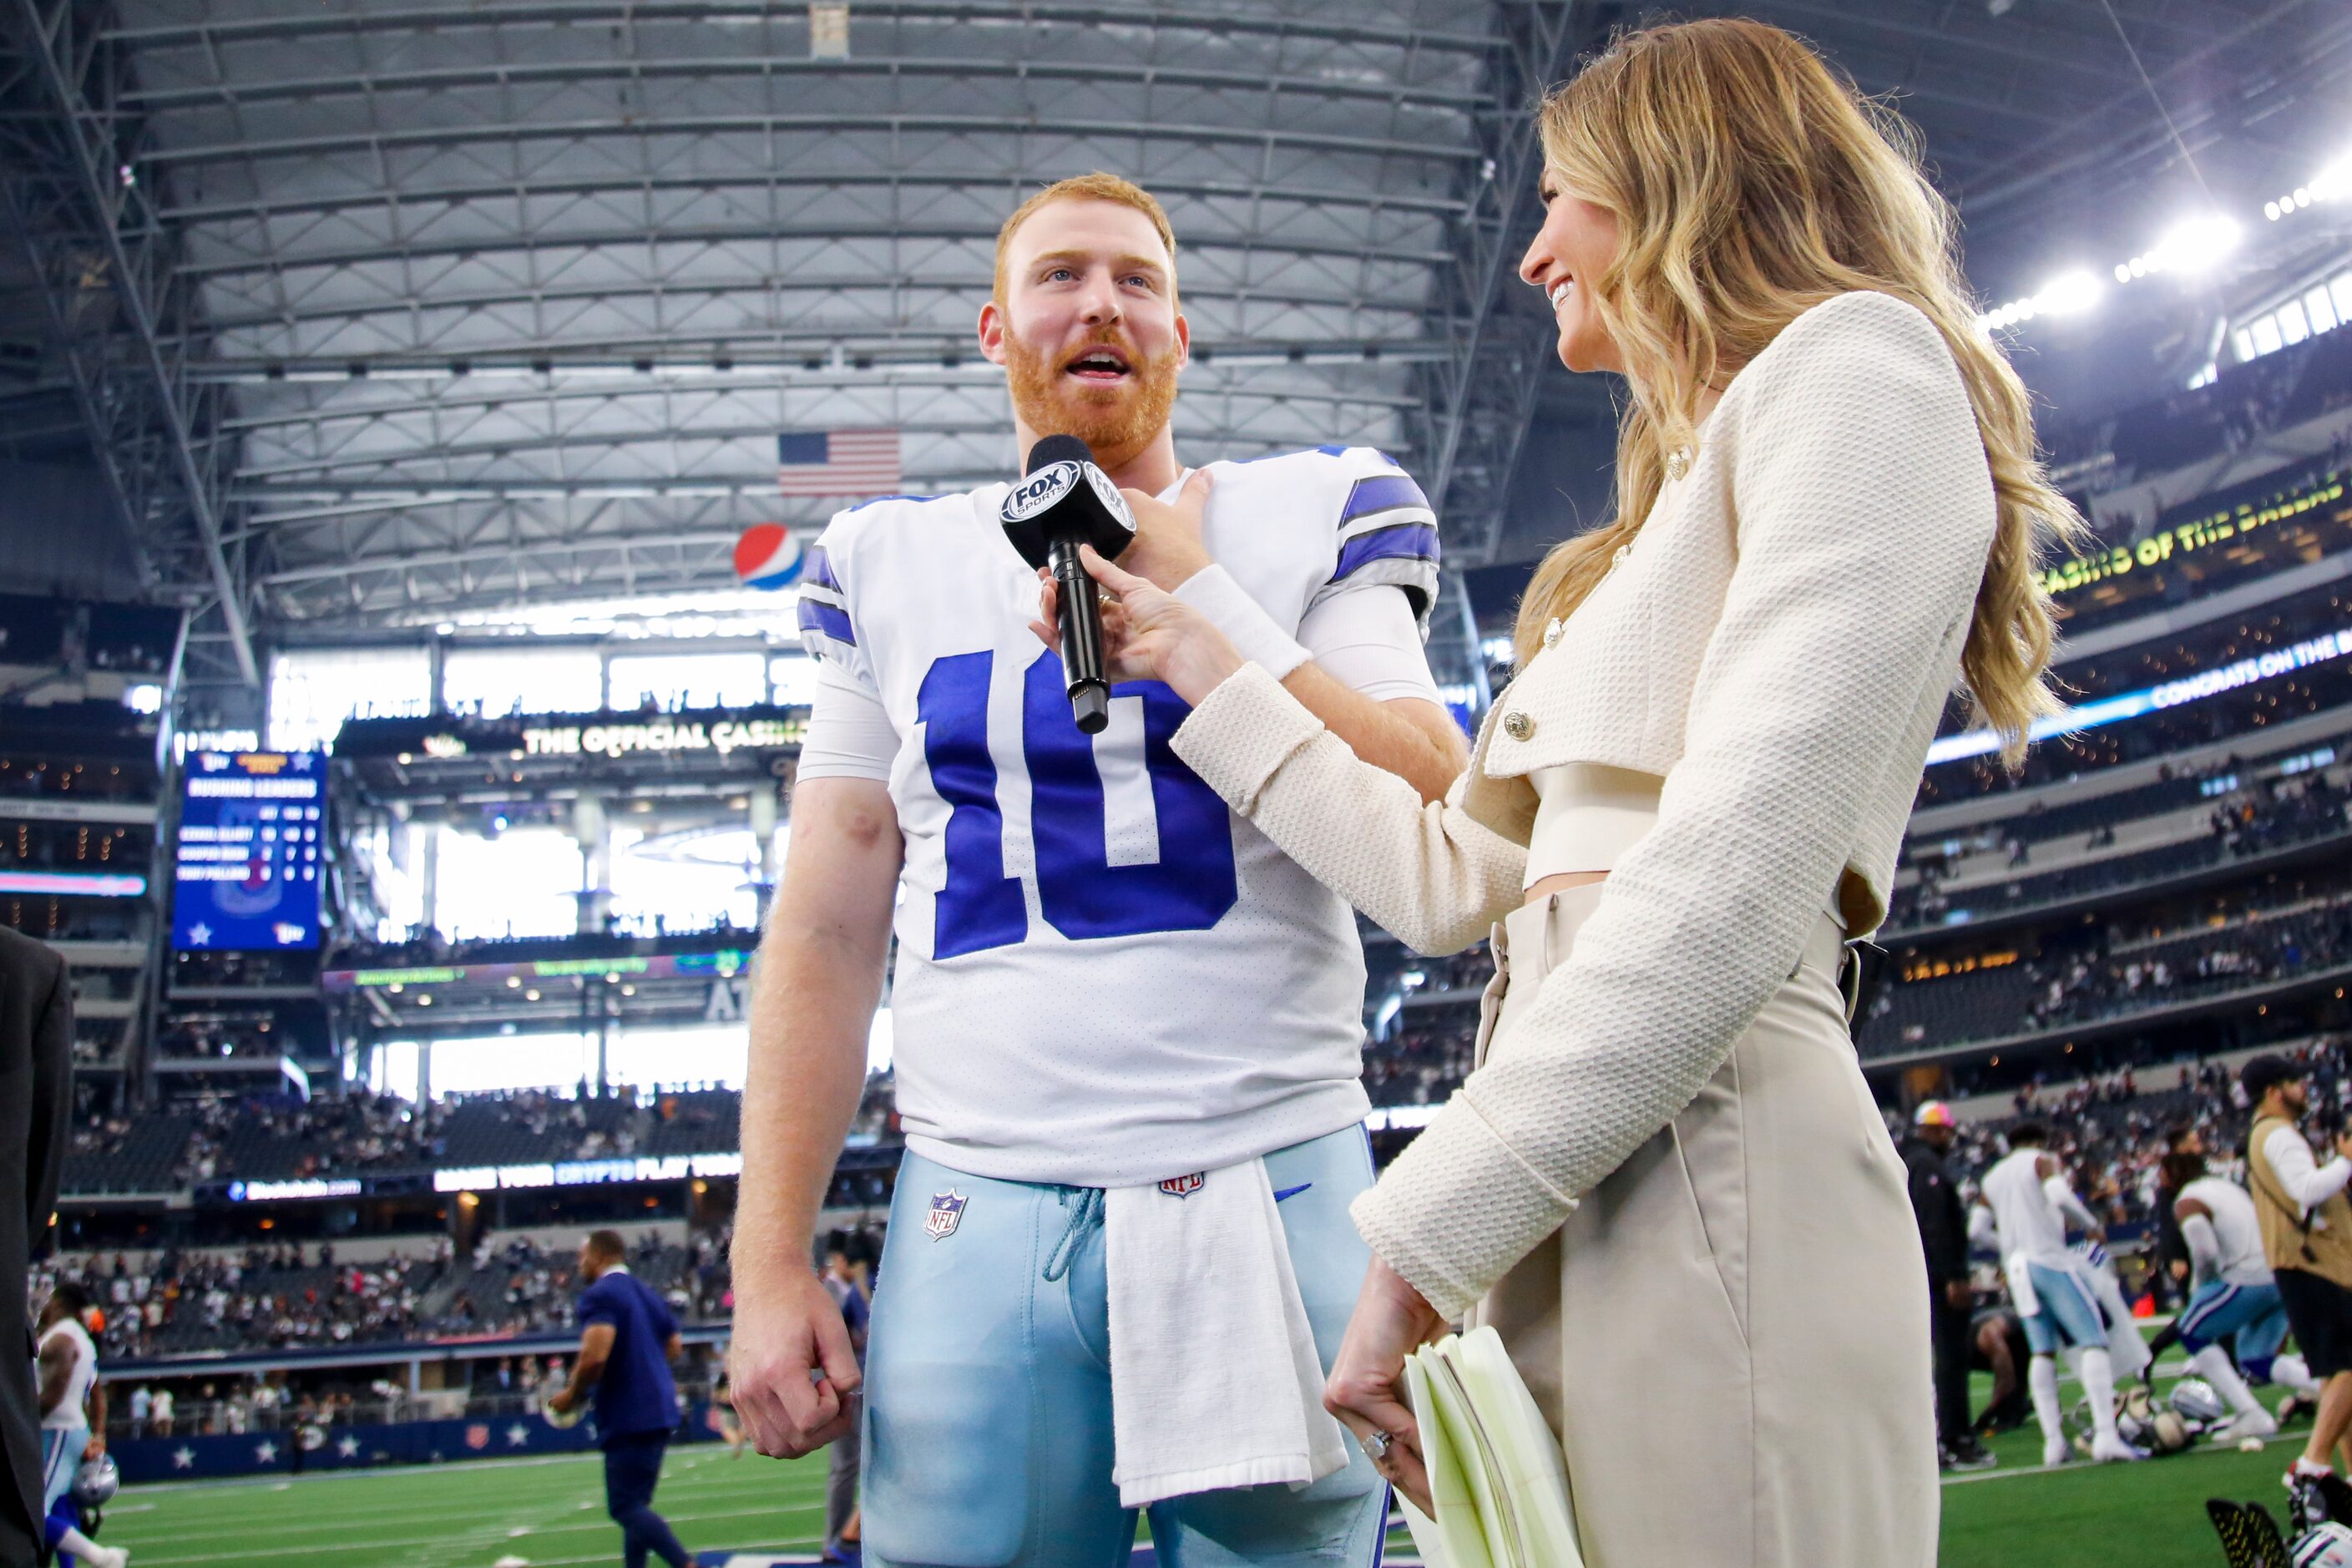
(1944, 1237)
(35, 1103)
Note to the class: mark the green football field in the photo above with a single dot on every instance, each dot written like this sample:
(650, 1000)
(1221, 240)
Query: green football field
(550, 1512)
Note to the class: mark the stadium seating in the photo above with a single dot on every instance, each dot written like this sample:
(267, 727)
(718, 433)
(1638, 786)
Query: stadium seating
(134, 1155)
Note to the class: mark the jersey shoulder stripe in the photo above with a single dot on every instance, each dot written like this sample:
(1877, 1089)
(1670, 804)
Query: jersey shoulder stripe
(1377, 493)
(1401, 541)
(825, 608)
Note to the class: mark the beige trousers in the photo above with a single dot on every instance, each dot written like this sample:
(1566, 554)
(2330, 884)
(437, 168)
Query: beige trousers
(1730, 1334)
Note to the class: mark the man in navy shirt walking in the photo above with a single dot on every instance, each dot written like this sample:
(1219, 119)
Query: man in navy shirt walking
(627, 1339)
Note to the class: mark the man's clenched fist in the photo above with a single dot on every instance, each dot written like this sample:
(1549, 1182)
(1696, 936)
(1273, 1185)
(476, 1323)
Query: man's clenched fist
(791, 1367)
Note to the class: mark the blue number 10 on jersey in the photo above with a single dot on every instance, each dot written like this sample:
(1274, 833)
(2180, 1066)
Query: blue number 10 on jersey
(1079, 891)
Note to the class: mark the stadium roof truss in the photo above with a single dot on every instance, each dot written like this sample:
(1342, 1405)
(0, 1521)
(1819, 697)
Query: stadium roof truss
(423, 306)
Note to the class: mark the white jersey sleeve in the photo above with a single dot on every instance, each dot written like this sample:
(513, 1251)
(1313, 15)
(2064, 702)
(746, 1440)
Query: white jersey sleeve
(1370, 642)
(850, 734)
(1386, 533)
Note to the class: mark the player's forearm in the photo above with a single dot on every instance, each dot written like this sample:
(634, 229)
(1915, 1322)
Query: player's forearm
(1429, 756)
(812, 1008)
(586, 1371)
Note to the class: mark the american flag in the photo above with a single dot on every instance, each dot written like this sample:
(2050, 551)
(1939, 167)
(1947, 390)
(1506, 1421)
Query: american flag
(837, 462)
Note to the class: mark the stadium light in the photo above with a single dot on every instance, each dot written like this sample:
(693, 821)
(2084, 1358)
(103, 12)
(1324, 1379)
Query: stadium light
(2193, 245)
(2330, 183)
(2069, 294)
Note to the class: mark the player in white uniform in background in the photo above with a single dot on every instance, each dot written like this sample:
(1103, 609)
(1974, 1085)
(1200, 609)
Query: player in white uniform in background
(73, 1420)
(2234, 1298)
(2053, 1294)
(2127, 1354)
(1112, 996)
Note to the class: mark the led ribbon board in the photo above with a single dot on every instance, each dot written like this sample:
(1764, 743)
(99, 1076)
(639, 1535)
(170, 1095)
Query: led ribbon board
(2267, 666)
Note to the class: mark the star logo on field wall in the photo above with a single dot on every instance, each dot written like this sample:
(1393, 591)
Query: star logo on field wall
(266, 1452)
(517, 1435)
(184, 1457)
(347, 1445)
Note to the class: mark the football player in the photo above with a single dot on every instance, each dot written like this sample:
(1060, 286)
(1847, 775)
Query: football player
(73, 1422)
(2236, 1297)
(2054, 1295)
(1105, 979)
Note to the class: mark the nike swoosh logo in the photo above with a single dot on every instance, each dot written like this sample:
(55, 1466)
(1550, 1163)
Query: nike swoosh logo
(1292, 1192)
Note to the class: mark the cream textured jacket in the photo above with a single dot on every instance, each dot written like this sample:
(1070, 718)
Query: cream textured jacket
(1778, 645)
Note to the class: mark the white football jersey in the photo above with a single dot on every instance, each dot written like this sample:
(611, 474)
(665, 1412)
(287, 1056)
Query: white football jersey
(1104, 977)
(2028, 1222)
(2235, 1227)
(72, 1413)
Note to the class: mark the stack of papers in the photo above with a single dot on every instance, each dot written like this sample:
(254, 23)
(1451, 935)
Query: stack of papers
(1496, 1475)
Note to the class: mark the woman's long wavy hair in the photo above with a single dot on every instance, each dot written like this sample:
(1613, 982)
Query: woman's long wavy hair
(1751, 183)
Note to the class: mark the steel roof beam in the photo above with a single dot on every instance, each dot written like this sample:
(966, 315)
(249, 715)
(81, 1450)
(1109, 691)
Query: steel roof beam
(474, 137)
(475, 302)
(504, 74)
(212, 210)
(1487, 392)
(542, 397)
(133, 243)
(758, 353)
(749, 234)
(2036, 159)
(380, 20)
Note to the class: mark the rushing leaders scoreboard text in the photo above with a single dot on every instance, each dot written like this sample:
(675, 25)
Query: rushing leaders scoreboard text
(247, 874)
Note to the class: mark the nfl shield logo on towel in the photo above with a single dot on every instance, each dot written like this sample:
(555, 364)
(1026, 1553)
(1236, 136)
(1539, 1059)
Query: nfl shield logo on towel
(1184, 1186)
(947, 1213)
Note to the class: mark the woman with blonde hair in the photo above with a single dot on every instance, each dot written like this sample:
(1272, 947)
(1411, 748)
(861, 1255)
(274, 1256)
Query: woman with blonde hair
(1665, 1182)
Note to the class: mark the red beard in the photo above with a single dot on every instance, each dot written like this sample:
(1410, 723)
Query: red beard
(1116, 420)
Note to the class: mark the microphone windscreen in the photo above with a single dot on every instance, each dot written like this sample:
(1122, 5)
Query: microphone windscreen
(1058, 449)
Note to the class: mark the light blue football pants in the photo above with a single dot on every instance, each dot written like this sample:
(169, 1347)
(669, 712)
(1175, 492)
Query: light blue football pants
(988, 1413)
(61, 1449)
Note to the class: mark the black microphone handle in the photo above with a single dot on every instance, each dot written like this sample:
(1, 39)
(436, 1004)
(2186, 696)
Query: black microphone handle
(1082, 638)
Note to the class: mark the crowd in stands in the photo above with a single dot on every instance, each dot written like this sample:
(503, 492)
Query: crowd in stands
(2259, 818)
(263, 1297)
(219, 967)
(2226, 415)
(2177, 954)
(429, 947)
(220, 1137)
(297, 1297)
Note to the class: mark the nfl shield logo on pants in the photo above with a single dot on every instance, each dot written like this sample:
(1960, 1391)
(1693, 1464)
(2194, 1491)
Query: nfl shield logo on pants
(947, 1213)
(1185, 1186)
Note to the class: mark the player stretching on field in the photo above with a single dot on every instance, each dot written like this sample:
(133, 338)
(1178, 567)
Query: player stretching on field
(2055, 1296)
(2236, 1297)
(1127, 1025)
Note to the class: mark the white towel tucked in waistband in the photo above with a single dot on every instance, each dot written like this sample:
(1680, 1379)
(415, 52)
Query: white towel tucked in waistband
(1214, 1380)
(2020, 1284)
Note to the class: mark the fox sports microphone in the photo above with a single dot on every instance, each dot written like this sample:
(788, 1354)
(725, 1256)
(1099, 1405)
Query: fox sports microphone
(1063, 502)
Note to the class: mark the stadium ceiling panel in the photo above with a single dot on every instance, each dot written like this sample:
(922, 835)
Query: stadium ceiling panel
(488, 303)
(513, 300)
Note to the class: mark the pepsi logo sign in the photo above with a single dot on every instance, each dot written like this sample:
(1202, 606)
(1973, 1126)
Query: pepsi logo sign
(767, 556)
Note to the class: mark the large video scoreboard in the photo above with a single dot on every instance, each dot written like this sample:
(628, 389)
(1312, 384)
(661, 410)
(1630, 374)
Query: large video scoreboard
(252, 832)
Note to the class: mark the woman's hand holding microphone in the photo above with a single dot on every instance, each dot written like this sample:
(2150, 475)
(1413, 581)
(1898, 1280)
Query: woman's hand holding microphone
(1149, 634)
